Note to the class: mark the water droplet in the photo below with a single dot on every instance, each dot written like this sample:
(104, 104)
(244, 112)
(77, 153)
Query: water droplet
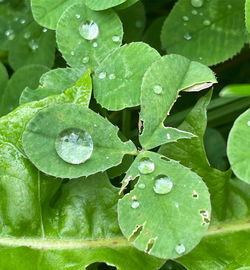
(89, 30)
(85, 60)
(26, 35)
(22, 21)
(10, 34)
(229, 6)
(135, 204)
(107, 157)
(180, 249)
(95, 44)
(197, 3)
(112, 76)
(33, 45)
(168, 136)
(116, 38)
(157, 89)
(163, 184)
(176, 205)
(194, 12)
(78, 16)
(45, 30)
(185, 18)
(72, 53)
(201, 13)
(138, 24)
(187, 36)
(146, 165)
(248, 123)
(206, 22)
(102, 75)
(141, 186)
(74, 145)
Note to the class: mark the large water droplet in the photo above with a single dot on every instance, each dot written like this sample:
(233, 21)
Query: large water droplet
(185, 18)
(74, 145)
(180, 249)
(163, 184)
(157, 89)
(102, 75)
(146, 165)
(85, 60)
(116, 38)
(33, 45)
(207, 22)
(89, 30)
(197, 3)
(187, 36)
(135, 204)
(141, 186)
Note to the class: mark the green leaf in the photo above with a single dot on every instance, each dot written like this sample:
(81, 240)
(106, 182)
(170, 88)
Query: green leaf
(164, 220)
(46, 128)
(247, 13)
(52, 82)
(236, 90)
(118, 78)
(159, 94)
(238, 147)
(79, 51)
(191, 153)
(226, 244)
(104, 4)
(25, 76)
(33, 45)
(47, 13)
(210, 34)
(134, 20)
(4, 77)
(126, 4)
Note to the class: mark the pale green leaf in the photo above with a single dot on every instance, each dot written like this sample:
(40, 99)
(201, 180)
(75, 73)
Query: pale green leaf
(161, 85)
(47, 13)
(235, 90)
(103, 4)
(168, 224)
(210, 34)
(118, 78)
(79, 51)
(238, 148)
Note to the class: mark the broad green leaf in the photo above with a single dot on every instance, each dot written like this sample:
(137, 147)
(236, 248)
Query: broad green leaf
(161, 86)
(104, 4)
(191, 153)
(134, 20)
(103, 149)
(165, 218)
(4, 77)
(51, 83)
(226, 244)
(106, 35)
(236, 90)
(118, 78)
(47, 13)
(25, 76)
(126, 4)
(33, 45)
(210, 34)
(247, 12)
(238, 150)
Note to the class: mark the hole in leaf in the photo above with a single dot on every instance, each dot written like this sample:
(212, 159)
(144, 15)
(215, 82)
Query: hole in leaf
(150, 245)
(136, 232)
(100, 266)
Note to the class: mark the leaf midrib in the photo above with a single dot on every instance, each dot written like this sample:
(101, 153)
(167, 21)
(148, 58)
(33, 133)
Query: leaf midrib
(68, 244)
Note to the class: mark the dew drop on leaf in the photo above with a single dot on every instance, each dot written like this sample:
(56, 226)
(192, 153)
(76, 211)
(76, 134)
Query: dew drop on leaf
(95, 44)
(168, 136)
(157, 89)
(22, 21)
(187, 36)
(102, 75)
(72, 53)
(10, 34)
(141, 186)
(33, 45)
(180, 249)
(248, 123)
(197, 3)
(85, 60)
(229, 6)
(74, 145)
(194, 12)
(89, 30)
(163, 184)
(78, 16)
(135, 204)
(138, 24)
(146, 165)
(207, 22)
(115, 38)
(26, 35)
(112, 76)
(185, 18)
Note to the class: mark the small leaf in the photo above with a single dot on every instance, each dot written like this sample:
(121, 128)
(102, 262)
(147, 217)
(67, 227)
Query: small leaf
(238, 147)
(26, 76)
(104, 4)
(195, 31)
(161, 85)
(168, 211)
(85, 37)
(53, 82)
(236, 90)
(47, 13)
(118, 78)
